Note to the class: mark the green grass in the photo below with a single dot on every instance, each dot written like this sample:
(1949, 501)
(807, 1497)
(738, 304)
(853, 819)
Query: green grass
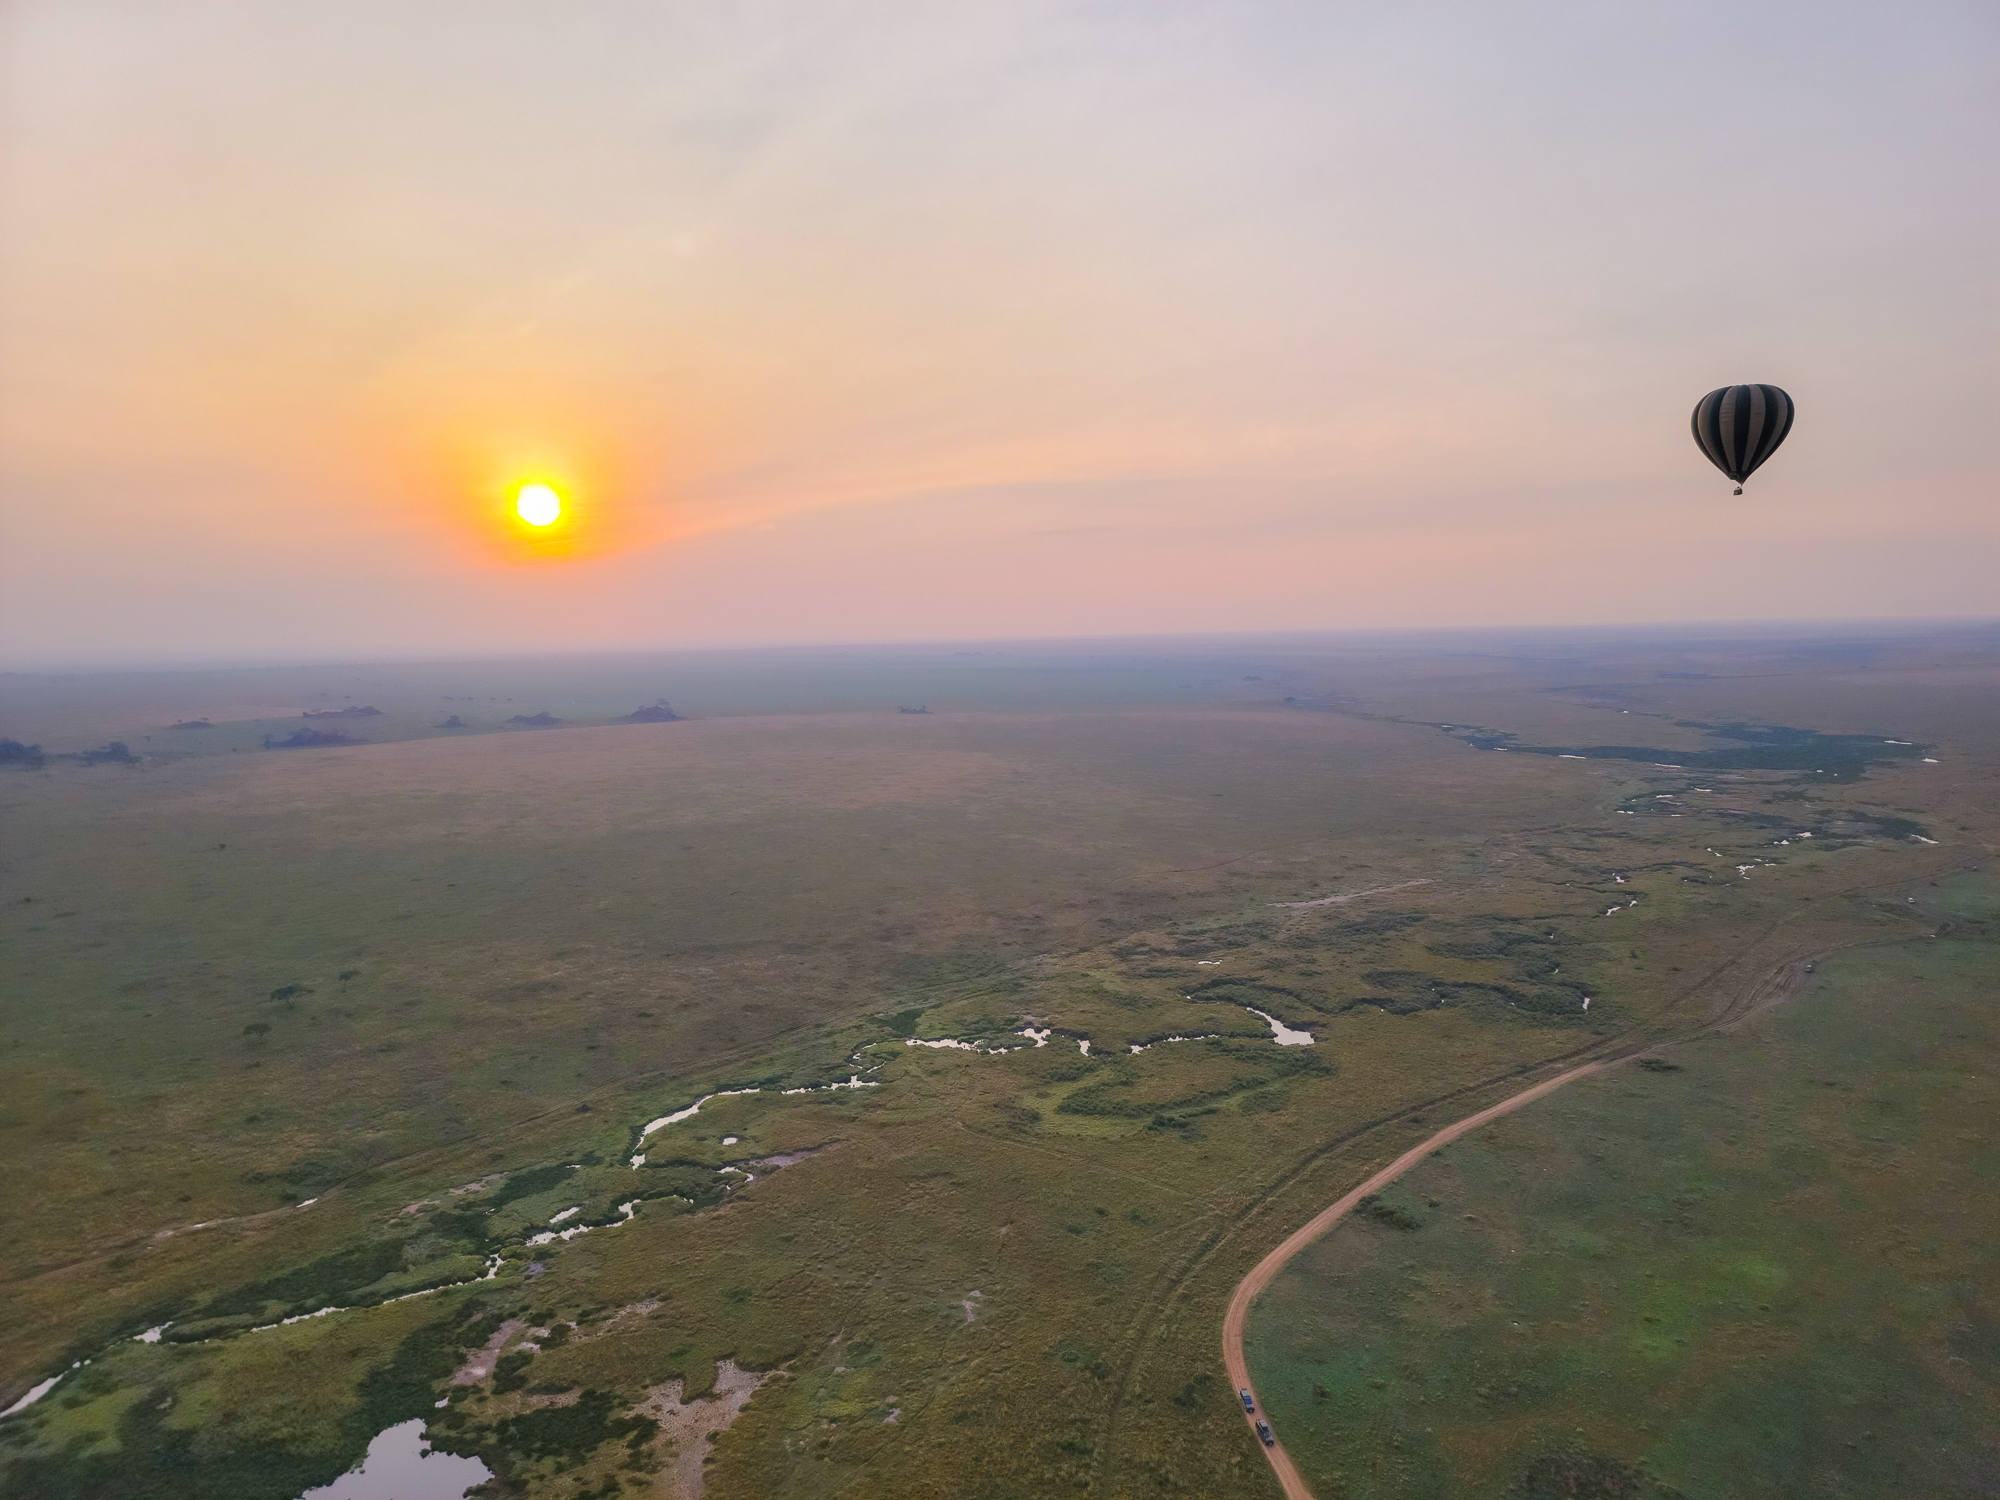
(1769, 1270)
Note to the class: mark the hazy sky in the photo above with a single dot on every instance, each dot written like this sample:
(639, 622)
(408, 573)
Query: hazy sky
(852, 321)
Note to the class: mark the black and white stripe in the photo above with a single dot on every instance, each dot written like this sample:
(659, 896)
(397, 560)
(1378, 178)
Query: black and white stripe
(1740, 426)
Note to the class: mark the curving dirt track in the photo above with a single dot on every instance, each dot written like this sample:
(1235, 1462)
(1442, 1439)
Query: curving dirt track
(1777, 983)
(1776, 987)
(1248, 1289)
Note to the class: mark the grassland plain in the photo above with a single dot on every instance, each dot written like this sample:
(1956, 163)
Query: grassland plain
(1761, 1262)
(231, 710)
(434, 986)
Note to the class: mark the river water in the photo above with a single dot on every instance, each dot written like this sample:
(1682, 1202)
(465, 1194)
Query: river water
(400, 1467)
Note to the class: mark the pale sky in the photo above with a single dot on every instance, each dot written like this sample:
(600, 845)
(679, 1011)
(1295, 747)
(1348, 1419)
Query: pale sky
(892, 321)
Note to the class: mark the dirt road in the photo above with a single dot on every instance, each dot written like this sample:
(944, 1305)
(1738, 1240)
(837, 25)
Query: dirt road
(1260, 1276)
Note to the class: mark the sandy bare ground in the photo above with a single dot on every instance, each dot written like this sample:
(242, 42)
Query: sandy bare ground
(1251, 1286)
(687, 1428)
(480, 1366)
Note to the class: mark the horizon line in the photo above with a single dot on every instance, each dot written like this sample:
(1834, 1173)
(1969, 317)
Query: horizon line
(111, 663)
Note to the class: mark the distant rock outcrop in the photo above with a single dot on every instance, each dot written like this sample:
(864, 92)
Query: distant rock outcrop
(454, 722)
(14, 753)
(657, 712)
(360, 711)
(304, 739)
(542, 720)
(905, 709)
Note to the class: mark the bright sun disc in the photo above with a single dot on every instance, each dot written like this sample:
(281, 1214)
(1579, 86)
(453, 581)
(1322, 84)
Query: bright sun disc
(538, 505)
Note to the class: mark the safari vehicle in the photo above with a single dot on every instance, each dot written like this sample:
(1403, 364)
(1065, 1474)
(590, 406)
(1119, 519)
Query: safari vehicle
(1264, 1432)
(1249, 1402)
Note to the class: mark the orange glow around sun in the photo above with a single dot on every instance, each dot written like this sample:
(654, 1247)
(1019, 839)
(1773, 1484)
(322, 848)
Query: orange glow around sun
(540, 516)
(541, 511)
(537, 465)
(547, 489)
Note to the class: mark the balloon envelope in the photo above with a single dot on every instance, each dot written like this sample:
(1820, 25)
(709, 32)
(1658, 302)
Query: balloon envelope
(1739, 426)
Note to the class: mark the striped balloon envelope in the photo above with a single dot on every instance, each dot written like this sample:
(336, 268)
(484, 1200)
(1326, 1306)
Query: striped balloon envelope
(1740, 426)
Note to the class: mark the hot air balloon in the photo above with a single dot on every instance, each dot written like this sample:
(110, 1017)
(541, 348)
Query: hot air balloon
(1740, 426)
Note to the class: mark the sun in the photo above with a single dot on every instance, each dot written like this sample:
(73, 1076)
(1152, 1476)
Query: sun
(538, 504)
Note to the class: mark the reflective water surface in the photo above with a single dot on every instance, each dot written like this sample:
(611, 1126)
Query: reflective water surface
(400, 1467)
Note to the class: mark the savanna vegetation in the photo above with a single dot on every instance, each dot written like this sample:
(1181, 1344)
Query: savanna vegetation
(366, 1037)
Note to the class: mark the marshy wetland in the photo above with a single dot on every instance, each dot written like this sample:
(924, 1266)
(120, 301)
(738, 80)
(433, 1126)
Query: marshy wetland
(594, 1072)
